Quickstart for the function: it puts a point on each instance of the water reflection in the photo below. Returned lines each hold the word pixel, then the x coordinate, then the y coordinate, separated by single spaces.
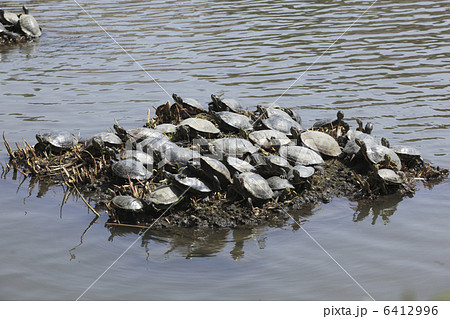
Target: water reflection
pixel 383 208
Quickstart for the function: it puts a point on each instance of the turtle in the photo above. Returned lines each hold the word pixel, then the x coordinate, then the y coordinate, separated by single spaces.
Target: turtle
pixel 213 172
pixel 164 197
pixel 295 114
pixel 191 184
pixel 273 165
pixel 277 183
pixel 131 169
pixel 8 18
pixel 216 167
pixel 389 176
pixel 140 156
pixel 332 124
pixel 127 203
pixel 29 25
pixel 104 143
pixel 268 139
pixel 233 146
pixel 321 142
pixel 193 127
pixel 252 186
pixel 108 138
pixel 141 133
pixel 300 173
pixel 187 107
pixel 56 140
pixel 149 145
pixel 166 128
pixel 7 36
pixel 281 124
pixel 232 122
pixel 367 129
pixel 351 148
pixel 300 155
pixel 237 165
pixel 272 110
pixel 409 155
pixel 217 105
pixel 175 156
pixel 376 154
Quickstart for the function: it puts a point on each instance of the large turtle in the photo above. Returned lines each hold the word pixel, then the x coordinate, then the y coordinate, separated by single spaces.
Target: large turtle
pixel 56 140
pixel 376 154
pixel 321 142
pixel 300 155
pixel 253 186
pixel 233 146
pixel 164 197
pixel 131 169
pixel 233 122
pixel 29 25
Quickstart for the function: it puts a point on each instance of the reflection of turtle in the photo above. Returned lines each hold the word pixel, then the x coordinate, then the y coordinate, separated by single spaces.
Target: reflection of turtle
pixel 29 25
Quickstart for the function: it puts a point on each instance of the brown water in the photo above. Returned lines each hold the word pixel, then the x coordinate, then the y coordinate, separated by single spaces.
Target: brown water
pixel 392 68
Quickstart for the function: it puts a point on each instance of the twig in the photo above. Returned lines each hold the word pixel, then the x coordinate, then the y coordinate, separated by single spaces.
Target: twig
pixel 8 147
pixel 85 201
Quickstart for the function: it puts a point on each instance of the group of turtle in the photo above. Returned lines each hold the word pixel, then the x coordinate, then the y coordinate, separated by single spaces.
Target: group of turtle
pixel 16 28
pixel 226 149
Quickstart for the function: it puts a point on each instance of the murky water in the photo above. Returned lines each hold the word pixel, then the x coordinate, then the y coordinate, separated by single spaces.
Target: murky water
pixel 392 67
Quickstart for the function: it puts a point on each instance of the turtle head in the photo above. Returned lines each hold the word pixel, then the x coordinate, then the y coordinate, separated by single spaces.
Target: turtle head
pixel 39 138
pixel 368 128
pixel 25 9
pixel 360 143
pixel 295 132
pixel 340 115
pixel 177 99
pixel 385 142
pixel 360 125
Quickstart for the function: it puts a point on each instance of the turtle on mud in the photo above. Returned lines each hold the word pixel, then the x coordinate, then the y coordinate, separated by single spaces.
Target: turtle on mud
pixel 187 107
pixel 335 126
pixel 174 157
pixel 300 155
pixel 269 139
pixel 230 105
pixel 194 127
pixel 140 156
pixel 127 203
pixel 271 110
pixel 29 25
pixel 237 165
pixel 377 154
pixel 233 146
pixel 232 122
pixel 351 148
pixel 217 168
pixel 280 187
pixel 300 173
pixel 191 184
pixel 166 128
pixel 131 169
pixel 104 143
pixel 409 155
pixel 318 141
pixel 272 165
pixel 253 187
pixel 164 197
pixel 138 134
pixel 281 124
pixel 55 141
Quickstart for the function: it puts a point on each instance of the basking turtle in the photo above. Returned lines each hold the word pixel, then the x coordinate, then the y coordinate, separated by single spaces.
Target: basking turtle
pixel 281 124
pixel 188 107
pixel 253 186
pixel 300 173
pixel 321 142
pixel 191 184
pixel 108 138
pixel 56 141
pixel 367 129
pixel 166 128
pixel 295 114
pixel 233 146
pixel 376 154
pixel 351 148
pixel 300 155
pixel 330 125
pixel 233 122
pixel 216 167
pixel 237 165
pixel 268 139
pixel 175 156
pixel 29 25
pixel 193 127
pixel 389 176
pixel 230 105
pixel 127 204
pixel 131 169
pixel 273 165
pixel 409 155
pixel 8 18
pixel 164 197
pixel 272 110
pixel 277 183
pixel 142 157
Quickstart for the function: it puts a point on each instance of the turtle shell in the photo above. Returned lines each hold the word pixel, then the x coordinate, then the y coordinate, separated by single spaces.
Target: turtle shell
pixel 255 185
pixel 300 173
pixel 200 125
pixel 164 195
pixel 165 128
pixel 232 146
pixel 281 124
pixel 389 176
pixel 145 158
pixel 300 155
pixel 29 26
pixel 265 138
pixel 233 122
pixel 377 153
pixel 192 183
pixel 216 167
pixel 321 142
pixel 238 165
pixel 127 203
pixel 60 139
pixel 108 138
pixel 277 183
pixel 142 133
pixel 130 168
pixel 406 150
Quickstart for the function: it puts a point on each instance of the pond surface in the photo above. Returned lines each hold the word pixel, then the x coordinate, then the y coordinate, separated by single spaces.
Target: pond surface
pixel 392 67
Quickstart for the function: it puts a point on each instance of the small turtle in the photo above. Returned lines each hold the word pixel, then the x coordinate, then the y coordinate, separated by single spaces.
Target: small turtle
pixel 233 146
pixel 389 176
pixel 218 105
pixel 166 128
pixel 127 203
pixel 189 107
pixel 274 165
pixel 409 155
pixel 142 157
pixel 237 165
pixel 300 173
pixel 277 183
pixel 193 127
pixel 57 140
pixel 300 155
pixel 351 148
pixel 175 156
pixel 295 114
pixel 216 167
pixel 332 124
pixel 164 197
pixel 281 124
pixel 233 122
pixel 191 184
pixel 268 139
pixel 376 154
pixel 29 25
pixel 253 186
pixel 272 110
pixel 321 142
pixel 8 18
pixel 108 138
pixel 131 169
pixel 367 129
